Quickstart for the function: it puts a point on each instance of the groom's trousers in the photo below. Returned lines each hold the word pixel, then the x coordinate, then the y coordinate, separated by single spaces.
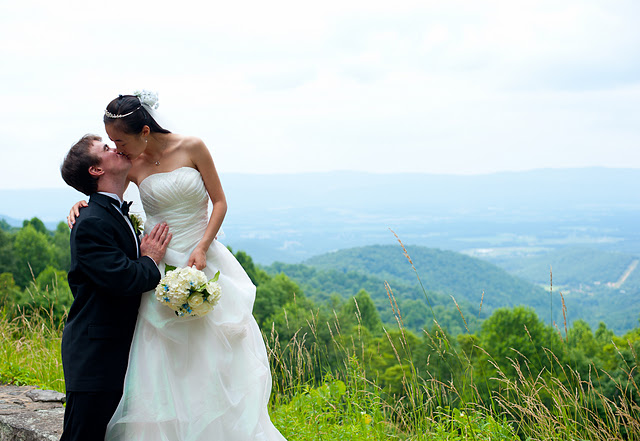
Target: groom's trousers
pixel 87 414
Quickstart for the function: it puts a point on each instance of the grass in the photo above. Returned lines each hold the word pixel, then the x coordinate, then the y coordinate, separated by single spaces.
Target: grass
pixel 30 350
pixel 313 401
pixel 530 406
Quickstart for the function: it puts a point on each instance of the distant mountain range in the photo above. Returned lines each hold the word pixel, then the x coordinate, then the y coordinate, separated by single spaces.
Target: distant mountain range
pixel 293 217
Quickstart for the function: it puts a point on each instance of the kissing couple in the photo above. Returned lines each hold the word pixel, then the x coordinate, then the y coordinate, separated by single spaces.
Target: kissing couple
pixel 133 369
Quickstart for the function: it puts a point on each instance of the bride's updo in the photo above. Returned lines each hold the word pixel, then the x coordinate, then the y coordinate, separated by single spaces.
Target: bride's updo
pixel 130 114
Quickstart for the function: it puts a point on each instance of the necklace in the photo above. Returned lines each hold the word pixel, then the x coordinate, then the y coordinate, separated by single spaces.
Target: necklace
pixel 164 147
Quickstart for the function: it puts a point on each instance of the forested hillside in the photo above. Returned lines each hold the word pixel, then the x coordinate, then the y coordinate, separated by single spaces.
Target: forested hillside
pixel 572 266
pixel 444 272
pixel 598 285
pixel 418 308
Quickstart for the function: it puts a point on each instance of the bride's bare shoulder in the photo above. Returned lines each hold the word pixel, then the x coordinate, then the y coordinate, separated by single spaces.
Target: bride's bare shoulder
pixel 189 142
pixel 193 145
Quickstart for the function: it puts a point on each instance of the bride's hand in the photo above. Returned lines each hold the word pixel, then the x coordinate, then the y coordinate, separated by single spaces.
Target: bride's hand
pixel 198 258
pixel 75 212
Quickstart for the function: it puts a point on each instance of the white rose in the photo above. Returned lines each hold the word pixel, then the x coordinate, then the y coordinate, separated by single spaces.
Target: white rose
pixel 195 300
pixel 203 309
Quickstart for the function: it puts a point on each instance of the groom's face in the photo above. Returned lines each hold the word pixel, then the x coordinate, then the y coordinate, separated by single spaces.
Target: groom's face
pixel 111 162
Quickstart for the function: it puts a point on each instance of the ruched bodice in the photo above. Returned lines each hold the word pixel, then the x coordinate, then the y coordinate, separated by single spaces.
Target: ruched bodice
pixel 197 378
pixel 180 199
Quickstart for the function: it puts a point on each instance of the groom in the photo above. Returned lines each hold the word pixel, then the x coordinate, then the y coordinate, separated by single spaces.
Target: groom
pixel 110 269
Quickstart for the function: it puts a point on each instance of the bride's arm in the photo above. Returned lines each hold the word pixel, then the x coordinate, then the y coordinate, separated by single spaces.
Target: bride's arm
pixel 75 210
pixel 203 162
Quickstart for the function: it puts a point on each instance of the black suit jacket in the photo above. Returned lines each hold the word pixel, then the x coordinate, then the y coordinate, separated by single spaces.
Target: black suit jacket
pixel 107 280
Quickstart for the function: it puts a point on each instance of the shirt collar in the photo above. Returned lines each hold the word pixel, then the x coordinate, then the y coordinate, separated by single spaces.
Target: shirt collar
pixel 112 196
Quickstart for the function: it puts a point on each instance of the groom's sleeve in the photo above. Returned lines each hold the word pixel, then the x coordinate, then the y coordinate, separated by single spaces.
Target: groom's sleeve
pixel 107 265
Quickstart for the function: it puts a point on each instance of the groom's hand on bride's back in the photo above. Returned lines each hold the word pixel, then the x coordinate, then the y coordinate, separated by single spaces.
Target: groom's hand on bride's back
pixel 155 243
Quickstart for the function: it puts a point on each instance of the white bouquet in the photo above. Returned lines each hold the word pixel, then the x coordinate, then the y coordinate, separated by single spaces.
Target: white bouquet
pixel 187 291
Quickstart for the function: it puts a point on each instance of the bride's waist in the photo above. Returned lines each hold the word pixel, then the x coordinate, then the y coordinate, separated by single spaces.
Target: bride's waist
pixel 184 237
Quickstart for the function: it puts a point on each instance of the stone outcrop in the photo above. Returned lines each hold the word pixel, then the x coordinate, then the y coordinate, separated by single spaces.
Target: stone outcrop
pixel 30 414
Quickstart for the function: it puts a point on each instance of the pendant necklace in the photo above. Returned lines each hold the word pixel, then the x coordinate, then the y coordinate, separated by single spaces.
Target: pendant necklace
pixel 163 149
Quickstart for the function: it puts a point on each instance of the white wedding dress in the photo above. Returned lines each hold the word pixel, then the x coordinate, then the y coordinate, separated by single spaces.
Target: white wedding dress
pixel 194 379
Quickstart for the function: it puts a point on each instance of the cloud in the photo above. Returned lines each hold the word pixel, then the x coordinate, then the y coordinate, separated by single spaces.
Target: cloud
pixel 284 86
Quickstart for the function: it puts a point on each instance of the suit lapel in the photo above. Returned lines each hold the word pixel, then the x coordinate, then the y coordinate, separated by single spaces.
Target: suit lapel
pixel 137 240
pixel 107 203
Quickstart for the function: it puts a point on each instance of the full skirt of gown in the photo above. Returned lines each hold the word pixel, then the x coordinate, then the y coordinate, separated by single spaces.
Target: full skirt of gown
pixel 195 378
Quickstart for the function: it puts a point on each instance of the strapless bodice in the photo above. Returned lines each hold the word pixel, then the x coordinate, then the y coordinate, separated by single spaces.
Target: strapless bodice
pixel 180 199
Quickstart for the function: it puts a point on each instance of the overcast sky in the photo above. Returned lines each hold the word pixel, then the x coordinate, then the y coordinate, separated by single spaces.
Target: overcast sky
pixel 294 86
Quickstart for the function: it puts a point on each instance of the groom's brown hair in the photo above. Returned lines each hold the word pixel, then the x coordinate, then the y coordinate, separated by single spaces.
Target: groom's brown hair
pixel 75 167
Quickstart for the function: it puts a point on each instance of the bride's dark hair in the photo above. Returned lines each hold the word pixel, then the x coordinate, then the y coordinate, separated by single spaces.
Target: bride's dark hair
pixel 130 116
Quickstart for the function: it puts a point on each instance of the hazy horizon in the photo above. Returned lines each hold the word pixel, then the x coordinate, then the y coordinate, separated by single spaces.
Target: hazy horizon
pixel 290 217
pixel 279 87
pixel 61 184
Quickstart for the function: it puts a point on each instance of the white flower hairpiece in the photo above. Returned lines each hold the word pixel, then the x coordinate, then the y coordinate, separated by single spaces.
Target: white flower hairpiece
pixel 148 98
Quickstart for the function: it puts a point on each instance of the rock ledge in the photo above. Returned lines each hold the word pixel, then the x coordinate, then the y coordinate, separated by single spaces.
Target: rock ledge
pixel 30 414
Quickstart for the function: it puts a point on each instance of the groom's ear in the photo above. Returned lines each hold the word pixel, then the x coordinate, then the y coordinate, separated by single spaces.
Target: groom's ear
pixel 95 170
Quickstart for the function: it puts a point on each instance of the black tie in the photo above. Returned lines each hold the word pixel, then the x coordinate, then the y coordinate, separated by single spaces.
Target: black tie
pixel 124 208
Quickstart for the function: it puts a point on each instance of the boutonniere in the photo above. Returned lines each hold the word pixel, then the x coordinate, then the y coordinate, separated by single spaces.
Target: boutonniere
pixel 137 222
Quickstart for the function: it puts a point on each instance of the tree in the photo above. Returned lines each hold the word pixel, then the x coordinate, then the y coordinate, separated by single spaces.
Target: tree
pixel 300 332
pixel 4 225
pixel 272 295
pixel 517 337
pixel 581 338
pixel 9 292
pixel 361 310
pixel 7 258
pixel 49 294
pixel 604 335
pixel 37 224
pixel 415 314
pixel 256 275
pixel 33 253
pixel 61 249
pixel 395 347
pixel 302 317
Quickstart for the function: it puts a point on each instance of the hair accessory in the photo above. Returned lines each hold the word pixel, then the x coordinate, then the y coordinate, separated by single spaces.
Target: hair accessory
pixel 147 98
pixel 111 115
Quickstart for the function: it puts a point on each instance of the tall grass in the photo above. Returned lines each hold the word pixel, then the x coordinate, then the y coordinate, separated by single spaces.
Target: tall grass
pixel 30 350
pixel 30 339
pixel 331 392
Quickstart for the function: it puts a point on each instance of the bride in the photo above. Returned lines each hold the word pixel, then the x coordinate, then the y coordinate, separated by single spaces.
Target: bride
pixel 188 379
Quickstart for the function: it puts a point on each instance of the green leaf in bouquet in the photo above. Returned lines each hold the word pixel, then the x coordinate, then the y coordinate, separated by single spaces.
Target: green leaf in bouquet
pixel 168 268
pixel 215 278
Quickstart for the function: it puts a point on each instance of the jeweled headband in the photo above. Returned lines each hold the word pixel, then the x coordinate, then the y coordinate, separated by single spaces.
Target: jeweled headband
pixel 111 115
